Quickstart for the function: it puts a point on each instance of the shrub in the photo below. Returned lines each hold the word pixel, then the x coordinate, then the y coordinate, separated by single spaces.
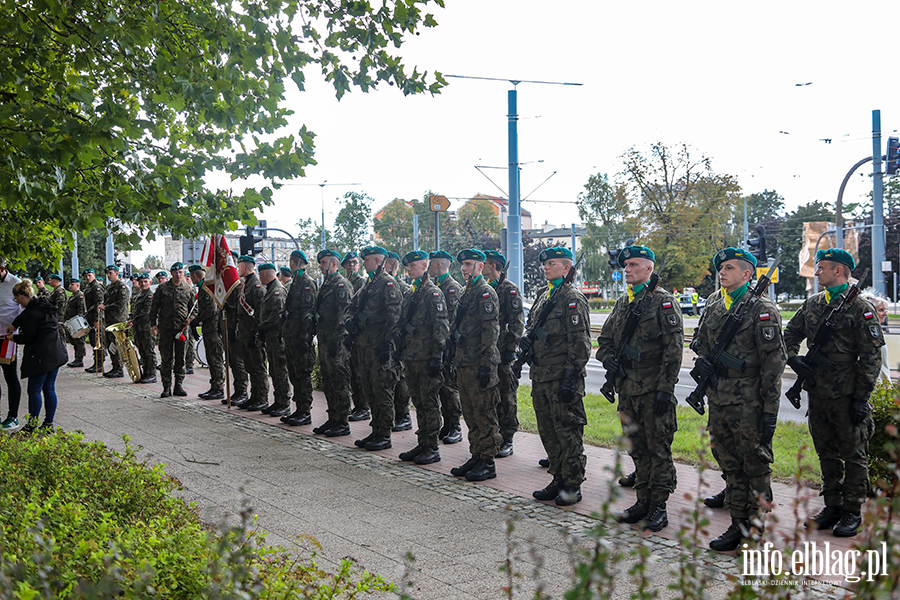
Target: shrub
pixel 884 401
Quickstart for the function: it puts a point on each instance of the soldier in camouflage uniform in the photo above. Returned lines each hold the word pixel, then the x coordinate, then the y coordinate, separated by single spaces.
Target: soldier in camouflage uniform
pixel 360 411
pixel 286 276
pixel 451 410
pixel 746 391
pixel 269 326
pixel 375 311
pixel 252 347
pixel 93 298
pixel 190 350
pixel 41 287
pixel 115 310
pixel 651 364
pixel 474 333
pixel 512 325
pixel 169 310
pixel 402 420
pixel 75 307
pixel 561 348
pixel 331 311
pixel 141 304
pixel 231 311
pixel 59 299
pixel 845 373
pixel 206 314
pixel 419 338
pixel 298 328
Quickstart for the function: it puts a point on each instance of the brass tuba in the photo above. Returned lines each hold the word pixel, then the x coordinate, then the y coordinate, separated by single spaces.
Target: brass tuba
pixel 124 349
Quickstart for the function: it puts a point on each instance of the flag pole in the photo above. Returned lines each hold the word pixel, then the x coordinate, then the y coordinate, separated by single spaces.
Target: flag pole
pixel 225 343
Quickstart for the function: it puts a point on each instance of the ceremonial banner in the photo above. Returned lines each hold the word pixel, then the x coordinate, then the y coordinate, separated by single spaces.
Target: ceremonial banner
pixel 221 270
pixel 7 352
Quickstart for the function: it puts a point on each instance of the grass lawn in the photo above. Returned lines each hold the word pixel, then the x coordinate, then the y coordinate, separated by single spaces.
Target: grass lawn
pixel 604 430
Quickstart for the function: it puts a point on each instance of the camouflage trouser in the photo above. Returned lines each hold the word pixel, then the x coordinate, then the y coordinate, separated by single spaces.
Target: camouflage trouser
pixel 561 427
pixel 507 410
pixel 401 395
pixel 734 435
pixel 335 372
pixel 651 445
pixel 843 451
pixel 278 369
pixel 212 343
pixel 99 355
pixel 78 343
pixel 108 341
pixel 451 410
pixel 479 409
pixel 425 393
pixel 144 342
pixel 378 383
pixel 236 361
pixel 171 351
pixel 300 368
pixel 360 402
pixel 255 363
pixel 190 353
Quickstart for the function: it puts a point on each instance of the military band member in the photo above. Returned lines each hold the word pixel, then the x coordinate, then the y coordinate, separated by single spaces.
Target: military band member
pixel 360 411
pixel 239 376
pixel 206 314
pixel 285 276
pixel 169 310
pixel 269 324
pixel 252 346
pixel 845 373
pixel 651 364
pixel 402 420
pixel 451 411
pixel 420 337
pixel 93 298
pixel 743 402
pixel 75 307
pixel 141 304
pixel 59 299
pixel 299 327
pixel 115 310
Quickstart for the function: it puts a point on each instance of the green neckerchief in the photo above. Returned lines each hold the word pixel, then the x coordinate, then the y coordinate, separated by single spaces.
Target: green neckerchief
pixel 634 290
pixel 475 280
pixel 371 274
pixel 441 278
pixel 416 283
pixel 732 297
pixel 835 291
pixel 300 272
pixel 327 277
pixel 552 285
pixel 494 283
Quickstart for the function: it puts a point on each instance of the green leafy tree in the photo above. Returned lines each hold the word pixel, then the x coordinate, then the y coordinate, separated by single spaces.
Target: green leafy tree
pixel 120 110
pixel 476 219
pixel 310 238
pixel 153 262
pixel 761 207
pixel 790 241
pixel 601 207
pixel 351 226
pixel 394 227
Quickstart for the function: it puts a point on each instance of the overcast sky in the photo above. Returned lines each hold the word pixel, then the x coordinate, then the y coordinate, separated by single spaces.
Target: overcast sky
pixel 719 76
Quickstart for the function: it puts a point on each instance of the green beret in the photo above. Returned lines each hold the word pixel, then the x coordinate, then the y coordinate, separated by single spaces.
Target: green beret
pixel 38 278
pixel 299 254
pixel 286 272
pixel 440 254
pixel 557 252
pixel 494 255
pixel 370 250
pixel 634 252
pixel 54 276
pixel 193 268
pixel 247 259
pixel 414 256
pixel 392 255
pixel 267 267
pixel 74 280
pixel 348 256
pixel 471 254
pixel 144 276
pixel 86 271
pixel 162 274
pixel 733 254
pixel 326 252
pixel 111 268
pixel 177 267
pixel 837 255
pixel 234 254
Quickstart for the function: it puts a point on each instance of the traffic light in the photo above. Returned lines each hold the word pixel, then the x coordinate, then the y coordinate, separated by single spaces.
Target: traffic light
pixel 614 259
pixel 892 162
pixel 249 241
pixel 758 246
pixel 263 230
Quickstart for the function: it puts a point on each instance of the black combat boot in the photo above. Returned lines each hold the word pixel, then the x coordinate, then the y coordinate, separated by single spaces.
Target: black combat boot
pixel 544 462
pixel 568 495
pixel 428 456
pixel 297 419
pixel 178 390
pixel 338 430
pixel 167 390
pixel 360 414
pixel 635 512
pixel 378 442
pixel 550 492
pixel 464 468
pixel 483 470
pixel 506 449
pixel 849 524
pixel 827 518
pixel 628 480
pixel 716 501
pixel 321 428
pixel 404 423
pixel 731 539
pixel 411 454
pixel 362 443
pixel 455 435
pixel 148 379
pixel 657 517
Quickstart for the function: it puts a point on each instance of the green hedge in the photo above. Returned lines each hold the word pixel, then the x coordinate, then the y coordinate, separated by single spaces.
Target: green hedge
pixel 882 447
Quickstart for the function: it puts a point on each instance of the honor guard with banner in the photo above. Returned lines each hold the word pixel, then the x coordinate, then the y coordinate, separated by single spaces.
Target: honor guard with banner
pixel 641 347
pixel 253 351
pixel 299 328
pixel 231 316
pixel 169 310
pixel 839 373
pixel 207 315
pixel 93 298
pixel 115 310
pixel 141 304
pixel 75 308
pixel 451 411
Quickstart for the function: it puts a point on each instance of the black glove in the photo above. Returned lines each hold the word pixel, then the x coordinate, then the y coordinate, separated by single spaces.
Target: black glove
pixel 800 367
pixel 302 345
pixel 508 357
pixel 612 365
pixel 384 352
pixel 525 344
pixel 858 411
pixel 259 339
pixel 567 386
pixel 663 403
pixel 517 370
pixel 433 368
pixel 703 368
pixel 484 376
pixel 767 425
pixel 332 349
pixel 347 341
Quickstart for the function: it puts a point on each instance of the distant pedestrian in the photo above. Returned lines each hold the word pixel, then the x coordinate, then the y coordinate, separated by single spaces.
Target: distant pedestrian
pixel 9 310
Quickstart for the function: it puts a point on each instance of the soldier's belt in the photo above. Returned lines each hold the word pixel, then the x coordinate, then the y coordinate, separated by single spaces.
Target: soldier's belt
pixel 642 364
pixel 844 358
pixel 550 361
pixel 726 373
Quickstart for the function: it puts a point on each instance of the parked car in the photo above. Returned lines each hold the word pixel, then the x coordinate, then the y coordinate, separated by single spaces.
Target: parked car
pixel 687 307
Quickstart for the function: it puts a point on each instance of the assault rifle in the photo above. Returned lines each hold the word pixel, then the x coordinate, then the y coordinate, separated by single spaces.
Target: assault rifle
pixel 609 387
pixel 823 334
pixel 407 329
pixel 355 323
pixel 718 356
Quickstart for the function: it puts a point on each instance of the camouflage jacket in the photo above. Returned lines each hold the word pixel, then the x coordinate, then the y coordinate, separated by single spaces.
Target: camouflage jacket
pixel 141 304
pixel 170 305
pixel 383 299
pixel 424 332
pixel 857 335
pixel 565 338
pixel 654 352
pixel 59 298
pixel 476 327
pixel 357 281
pixel 93 297
pixel 512 316
pixel 252 295
pixel 758 343
pixel 232 306
pixel 115 301
pixel 75 305
pixel 299 306
pixel 404 287
pixel 270 308
pixel 332 307
pixel 452 293
pixel 206 311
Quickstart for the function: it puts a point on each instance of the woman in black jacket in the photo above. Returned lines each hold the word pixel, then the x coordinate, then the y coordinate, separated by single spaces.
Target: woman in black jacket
pixel 43 352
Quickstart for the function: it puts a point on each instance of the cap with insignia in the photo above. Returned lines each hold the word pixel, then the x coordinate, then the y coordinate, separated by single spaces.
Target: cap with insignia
pixel 391 254
pixel 193 268
pixel 494 255
pixel 326 253
pixel 348 256
pixel 38 278
pixel 471 254
pixel 247 259
pixel 267 267
pixel 733 254
pixel 440 254
pixel 235 255
pixel 74 280
pixel 162 274
pixel 299 254
pixel 635 252
pixel 144 276
pixel 286 272
pixel 370 250
pixel 557 252
pixel 54 276
pixel 177 267
pixel 111 268
pixel 837 255
pixel 414 256
pixel 86 271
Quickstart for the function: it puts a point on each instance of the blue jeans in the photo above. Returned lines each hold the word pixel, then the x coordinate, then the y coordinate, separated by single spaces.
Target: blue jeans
pixel 46 383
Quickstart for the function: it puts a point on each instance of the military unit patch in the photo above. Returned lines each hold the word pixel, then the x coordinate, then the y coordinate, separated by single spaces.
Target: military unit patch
pixel 440 306
pixel 673 319
pixel 873 329
pixel 574 319
pixel 451 291
pixel 486 295
pixel 436 294
pixel 573 304
pixel 768 333
pixel 667 304
pixel 764 317
pixel 512 292
pixel 488 307
pixel 868 315
pixel 389 283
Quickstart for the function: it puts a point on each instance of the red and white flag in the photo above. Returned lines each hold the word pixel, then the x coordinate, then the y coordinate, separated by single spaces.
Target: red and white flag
pixel 7 352
pixel 221 270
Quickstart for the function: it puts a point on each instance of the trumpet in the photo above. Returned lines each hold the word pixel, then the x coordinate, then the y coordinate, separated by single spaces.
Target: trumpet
pixel 124 349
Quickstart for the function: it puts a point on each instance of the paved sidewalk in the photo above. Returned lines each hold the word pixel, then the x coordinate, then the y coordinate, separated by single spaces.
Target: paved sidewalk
pixel 374 508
